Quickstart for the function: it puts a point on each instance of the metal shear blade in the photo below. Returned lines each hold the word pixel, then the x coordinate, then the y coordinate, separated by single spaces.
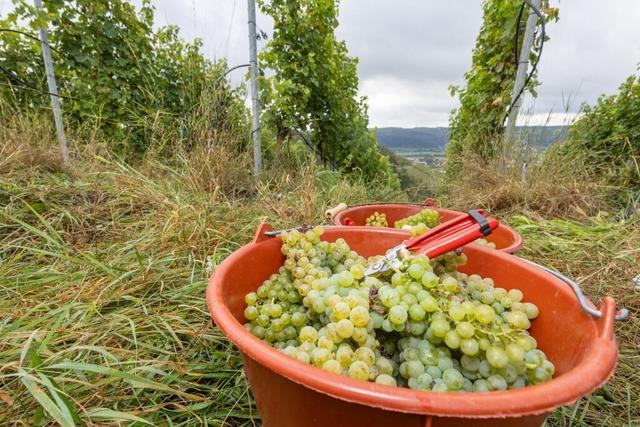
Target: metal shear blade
pixel 389 261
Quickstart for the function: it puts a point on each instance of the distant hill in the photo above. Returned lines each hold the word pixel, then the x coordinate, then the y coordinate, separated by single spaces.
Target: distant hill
pixel 436 138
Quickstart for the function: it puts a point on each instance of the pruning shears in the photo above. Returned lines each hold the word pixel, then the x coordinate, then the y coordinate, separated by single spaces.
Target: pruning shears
pixel 441 239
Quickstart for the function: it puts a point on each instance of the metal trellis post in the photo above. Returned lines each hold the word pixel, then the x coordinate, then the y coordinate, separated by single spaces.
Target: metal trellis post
pixel 53 90
pixel 521 73
pixel 255 100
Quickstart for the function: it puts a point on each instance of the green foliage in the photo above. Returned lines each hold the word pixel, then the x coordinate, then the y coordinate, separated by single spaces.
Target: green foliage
pixel 121 73
pixel 477 125
pixel 418 181
pixel 607 137
pixel 315 88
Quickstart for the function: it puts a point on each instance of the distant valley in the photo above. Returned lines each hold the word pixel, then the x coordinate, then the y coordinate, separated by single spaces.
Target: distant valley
pixel 435 139
pixel 427 146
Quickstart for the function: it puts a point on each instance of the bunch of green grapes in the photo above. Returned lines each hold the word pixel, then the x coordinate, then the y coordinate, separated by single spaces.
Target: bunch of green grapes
pixel 424 325
pixel 419 223
pixel 485 242
pixel 377 220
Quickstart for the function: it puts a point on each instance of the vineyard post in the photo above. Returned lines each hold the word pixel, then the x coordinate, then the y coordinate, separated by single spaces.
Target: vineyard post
pixel 255 101
pixel 53 89
pixel 521 73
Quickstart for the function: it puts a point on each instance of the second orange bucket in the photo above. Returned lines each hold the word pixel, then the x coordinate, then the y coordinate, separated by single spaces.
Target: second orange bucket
pixel 504 237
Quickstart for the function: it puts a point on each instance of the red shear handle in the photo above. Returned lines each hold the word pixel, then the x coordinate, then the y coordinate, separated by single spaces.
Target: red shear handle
pixel 456 233
pixel 446 228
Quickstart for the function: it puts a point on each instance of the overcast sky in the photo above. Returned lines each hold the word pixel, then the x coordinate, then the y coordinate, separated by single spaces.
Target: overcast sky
pixel 410 51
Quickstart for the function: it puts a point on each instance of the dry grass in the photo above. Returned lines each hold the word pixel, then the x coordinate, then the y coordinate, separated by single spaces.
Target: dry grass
pixel 602 255
pixel 549 186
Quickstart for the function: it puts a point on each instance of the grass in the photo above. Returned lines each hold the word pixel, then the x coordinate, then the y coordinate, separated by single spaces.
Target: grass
pixel 602 255
pixel 103 270
pixel 102 278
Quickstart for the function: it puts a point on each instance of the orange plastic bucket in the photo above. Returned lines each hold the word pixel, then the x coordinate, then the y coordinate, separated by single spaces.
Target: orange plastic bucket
pixel 290 393
pixel 505 238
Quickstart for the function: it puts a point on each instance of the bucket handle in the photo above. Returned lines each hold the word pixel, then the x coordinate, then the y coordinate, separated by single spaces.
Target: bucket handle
pixel 332 212
pixel 623 313
pixel 430 202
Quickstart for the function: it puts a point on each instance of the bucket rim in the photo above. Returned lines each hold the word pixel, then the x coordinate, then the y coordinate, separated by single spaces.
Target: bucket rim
pixel 595 368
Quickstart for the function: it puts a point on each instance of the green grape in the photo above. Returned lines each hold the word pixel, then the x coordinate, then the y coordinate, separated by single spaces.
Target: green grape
pixel 434 372
pixel 484 369
pixel 485 314
pixel 439 385
pixel 359 316
pixel 469 363
pixel 527 342
pixel 497 357
pixel 416 328
pixel 516 295
pixel 518 383
pixel 303 356
pixel 469 346
pixel 549 367
pixel 386 379
pixel 332 366
pixel 416 312
pixel 429 304
pixel 344 328
pixel 398 314
pixel 450 284
pixel 258 331
pixel 452 339
pixel 453 379
pixel 515 353
pixel 365 355
pixel 320 356
pixel 531 310
pixel 440 327
pixel 509 373
pixel 519 320
pixel 445 363
pixel 496 382
pixel 359 370
pixel 344 355
pixel 415 271
pixel 384 366
pixel 251 298
pixel 251 313
pixel 308 334
pixel 484 344
pixel 538 375
pixel 480 385
pixel 414 368
pixel 456 312
pixel 360 335
pixel 357 271
pixel 429 279
pixel 465 329
pixel 298 319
